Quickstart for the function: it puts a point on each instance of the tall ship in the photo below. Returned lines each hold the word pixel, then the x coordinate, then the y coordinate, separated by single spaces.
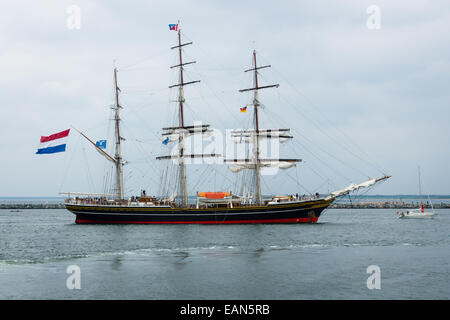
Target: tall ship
pixel 216 207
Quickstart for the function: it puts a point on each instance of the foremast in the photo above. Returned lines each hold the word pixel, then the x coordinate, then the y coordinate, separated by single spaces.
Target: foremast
pixel 254 136
pixel 256 105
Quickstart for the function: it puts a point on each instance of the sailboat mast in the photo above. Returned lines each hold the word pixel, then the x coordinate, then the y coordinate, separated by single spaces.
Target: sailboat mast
pixel 420 186
pixel 257 164
pixel 118 155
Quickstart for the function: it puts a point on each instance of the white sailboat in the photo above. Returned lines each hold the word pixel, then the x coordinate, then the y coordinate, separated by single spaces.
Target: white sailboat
pixel 419 212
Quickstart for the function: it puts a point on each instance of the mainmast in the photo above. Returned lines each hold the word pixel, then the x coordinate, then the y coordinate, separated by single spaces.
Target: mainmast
pixel 181 100
pixel 181 132
pixel 118 155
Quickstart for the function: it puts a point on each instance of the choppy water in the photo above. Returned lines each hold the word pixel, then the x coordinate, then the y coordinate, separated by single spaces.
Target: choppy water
pixel 327 260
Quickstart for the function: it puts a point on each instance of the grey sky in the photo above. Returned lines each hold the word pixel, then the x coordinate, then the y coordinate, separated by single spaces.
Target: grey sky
pixel 383 94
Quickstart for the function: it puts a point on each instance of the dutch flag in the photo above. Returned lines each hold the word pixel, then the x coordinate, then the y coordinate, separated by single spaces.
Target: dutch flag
pixel 53 143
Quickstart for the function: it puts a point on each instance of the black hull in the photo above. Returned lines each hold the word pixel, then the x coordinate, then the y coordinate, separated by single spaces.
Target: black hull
pixel 301 212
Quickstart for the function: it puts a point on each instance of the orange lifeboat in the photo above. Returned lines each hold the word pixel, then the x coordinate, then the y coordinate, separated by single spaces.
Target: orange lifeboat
pixel 214 195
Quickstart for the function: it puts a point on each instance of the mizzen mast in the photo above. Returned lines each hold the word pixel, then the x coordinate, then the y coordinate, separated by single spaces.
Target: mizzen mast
pixel 118 138
pixel 117 159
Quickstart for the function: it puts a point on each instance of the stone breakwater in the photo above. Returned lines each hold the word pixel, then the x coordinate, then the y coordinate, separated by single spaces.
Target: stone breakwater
pixel 16 206
pixel 356 205
pixel 387 205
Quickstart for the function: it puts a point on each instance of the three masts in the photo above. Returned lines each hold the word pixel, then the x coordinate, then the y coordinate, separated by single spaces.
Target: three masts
pixel 216 204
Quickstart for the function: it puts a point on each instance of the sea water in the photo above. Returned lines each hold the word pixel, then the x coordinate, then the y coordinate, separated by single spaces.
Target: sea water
pixel 332 259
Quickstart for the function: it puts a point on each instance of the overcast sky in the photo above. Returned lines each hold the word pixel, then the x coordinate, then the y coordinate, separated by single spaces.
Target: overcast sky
pixel 360 101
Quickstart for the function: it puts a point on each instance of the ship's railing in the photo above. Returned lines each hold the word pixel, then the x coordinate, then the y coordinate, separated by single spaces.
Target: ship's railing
pixel 92 201
pixel 104 201
pixel 292 198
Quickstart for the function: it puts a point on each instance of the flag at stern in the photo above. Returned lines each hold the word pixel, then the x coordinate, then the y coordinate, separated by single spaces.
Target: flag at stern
pixel 53 143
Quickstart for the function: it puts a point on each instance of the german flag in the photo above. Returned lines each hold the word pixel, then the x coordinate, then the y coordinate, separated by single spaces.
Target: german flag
pixel 244 109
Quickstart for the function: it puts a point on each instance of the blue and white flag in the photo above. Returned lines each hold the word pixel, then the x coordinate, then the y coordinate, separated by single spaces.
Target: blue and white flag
pixel 165 141
pixel 101 144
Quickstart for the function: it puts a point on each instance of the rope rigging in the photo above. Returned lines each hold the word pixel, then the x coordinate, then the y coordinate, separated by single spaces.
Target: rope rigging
pixel 323 115
pixel 169 175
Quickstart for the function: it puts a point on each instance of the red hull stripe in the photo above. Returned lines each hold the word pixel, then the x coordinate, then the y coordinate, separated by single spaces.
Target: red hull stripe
pixel 58 135
pixel 293 220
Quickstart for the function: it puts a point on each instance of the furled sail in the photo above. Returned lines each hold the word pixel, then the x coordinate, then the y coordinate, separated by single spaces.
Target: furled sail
pixel 272 163
pixel 103 153
pixel 354 187
pixel 175 133
pixel 173 137
pixel 247 136
pixel 107 156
